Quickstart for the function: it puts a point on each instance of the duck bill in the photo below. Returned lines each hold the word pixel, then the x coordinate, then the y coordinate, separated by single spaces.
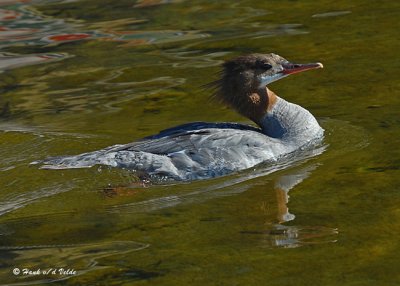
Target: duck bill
pixel 290 68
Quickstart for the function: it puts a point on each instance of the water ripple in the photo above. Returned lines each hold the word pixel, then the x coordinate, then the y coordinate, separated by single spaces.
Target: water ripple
pixel 80 257
pixel 331 14
pixel 11 61
pixel 14 202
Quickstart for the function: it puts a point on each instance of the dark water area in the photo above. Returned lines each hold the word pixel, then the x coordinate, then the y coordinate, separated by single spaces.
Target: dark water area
pixel 76 76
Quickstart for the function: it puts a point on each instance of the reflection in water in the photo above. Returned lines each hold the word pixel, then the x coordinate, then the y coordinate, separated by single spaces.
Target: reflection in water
pixel 277 235
pixel 11 61
pixel 123 54
pixel 136 38
pixel 283 185
pixel 280 235
pixel 342 135
pixel 79 257
pixel 294 236
pixel 230 185
pixel 7 15
pixel 26 26
pixel 95 86
pixel 23 26
pixel 84 257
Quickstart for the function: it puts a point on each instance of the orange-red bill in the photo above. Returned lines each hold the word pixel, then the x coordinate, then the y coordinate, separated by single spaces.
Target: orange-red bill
pixel 289 68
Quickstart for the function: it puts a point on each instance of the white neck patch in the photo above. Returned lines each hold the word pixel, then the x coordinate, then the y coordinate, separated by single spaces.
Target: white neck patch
pixel 265 80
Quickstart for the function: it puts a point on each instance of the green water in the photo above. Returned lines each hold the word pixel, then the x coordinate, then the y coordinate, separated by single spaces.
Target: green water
pixel 134 68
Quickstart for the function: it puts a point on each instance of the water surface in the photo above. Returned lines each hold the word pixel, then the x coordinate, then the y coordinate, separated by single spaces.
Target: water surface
pixel 76 76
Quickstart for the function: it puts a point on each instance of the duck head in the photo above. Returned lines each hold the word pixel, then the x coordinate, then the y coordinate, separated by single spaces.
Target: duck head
pixel 244 80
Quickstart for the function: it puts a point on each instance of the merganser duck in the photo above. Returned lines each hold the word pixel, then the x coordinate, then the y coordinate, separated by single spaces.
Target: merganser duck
pixel 203 150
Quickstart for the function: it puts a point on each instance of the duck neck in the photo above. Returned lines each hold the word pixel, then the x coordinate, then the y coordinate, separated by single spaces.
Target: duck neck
pixel 285 120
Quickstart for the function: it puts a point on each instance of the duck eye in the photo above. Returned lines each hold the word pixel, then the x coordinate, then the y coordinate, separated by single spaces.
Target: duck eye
pixel 265 66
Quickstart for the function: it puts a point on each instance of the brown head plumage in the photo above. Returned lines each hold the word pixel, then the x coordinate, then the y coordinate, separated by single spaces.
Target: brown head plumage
pixel 243 82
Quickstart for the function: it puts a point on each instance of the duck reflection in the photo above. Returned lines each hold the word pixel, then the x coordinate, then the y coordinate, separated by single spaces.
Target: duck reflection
pixel 290 236
pixel 283 185
pixel 271 231
pixel 294 236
